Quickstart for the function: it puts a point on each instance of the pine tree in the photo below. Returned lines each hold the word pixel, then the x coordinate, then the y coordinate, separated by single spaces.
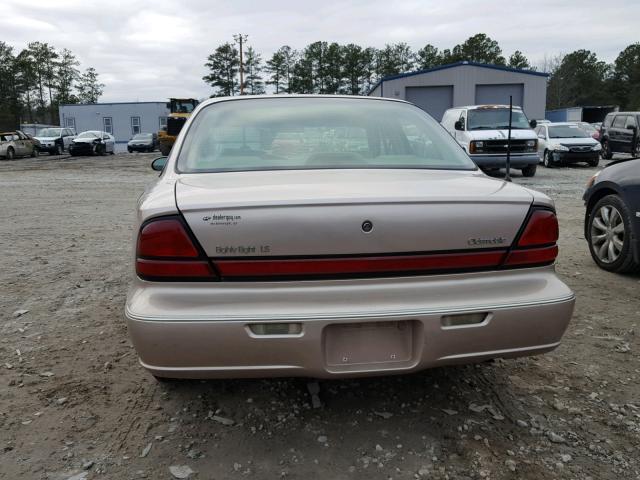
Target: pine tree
pixel 223 64
pixel 518 60
pixel 66 74
pixel 428 57
pixel 252 67
pixel 88 86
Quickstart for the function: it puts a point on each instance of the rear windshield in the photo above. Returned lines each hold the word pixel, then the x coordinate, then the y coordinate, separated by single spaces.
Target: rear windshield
pixel 142 136
pixel 310 133
pixel 567 131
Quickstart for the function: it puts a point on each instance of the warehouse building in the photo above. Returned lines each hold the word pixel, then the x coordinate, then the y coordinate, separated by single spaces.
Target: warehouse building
pixel 580 114
pixel 123 120
pixel 467 83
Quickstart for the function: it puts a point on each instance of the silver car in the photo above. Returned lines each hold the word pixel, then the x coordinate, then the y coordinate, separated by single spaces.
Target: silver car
pixel 329 236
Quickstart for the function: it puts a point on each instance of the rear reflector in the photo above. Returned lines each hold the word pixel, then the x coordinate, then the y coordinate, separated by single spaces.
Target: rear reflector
pixel 165 251
pixel 541 229
pixel 359 265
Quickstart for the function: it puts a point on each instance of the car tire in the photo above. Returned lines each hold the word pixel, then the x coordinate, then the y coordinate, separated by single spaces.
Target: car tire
pixel 547 161
pixel 11 154
pixel 34 152
pixel 100 150
pixel 529 170
pixel 601 234
pixel 606 150
pixel 129 150
pixel 57 150
pixel 594 162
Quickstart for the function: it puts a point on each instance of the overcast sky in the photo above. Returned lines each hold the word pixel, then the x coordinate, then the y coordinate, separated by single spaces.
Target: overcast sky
pixel 152 50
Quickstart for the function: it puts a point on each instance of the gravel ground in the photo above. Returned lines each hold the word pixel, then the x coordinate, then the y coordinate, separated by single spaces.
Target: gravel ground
pixel 74 402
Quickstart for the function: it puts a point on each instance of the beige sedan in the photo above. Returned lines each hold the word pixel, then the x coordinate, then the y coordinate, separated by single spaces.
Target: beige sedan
pixel 333 237
pixel 16 144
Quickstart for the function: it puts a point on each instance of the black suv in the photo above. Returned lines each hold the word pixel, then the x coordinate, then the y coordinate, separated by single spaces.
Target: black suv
pixel 619 134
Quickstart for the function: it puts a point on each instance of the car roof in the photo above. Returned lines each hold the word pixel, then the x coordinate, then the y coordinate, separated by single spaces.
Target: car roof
pixel 556 124
pixel 297 95
pixel 623 113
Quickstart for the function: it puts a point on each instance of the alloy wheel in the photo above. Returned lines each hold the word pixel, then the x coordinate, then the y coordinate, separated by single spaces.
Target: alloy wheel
pixel 607 233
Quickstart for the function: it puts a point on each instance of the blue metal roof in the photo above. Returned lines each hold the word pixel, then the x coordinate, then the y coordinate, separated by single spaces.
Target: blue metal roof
pixel 458 64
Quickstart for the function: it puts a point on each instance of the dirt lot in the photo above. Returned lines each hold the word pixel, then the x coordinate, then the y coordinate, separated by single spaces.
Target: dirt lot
pixel 74 401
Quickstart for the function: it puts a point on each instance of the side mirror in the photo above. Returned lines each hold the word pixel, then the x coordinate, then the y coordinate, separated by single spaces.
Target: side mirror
pixel 533 124
pixel 459 125
pixel 541 136
pixel 159 163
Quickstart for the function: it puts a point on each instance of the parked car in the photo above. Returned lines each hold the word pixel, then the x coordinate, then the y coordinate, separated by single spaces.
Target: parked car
pixel 143 142
pixel 34 140
pixel 16 144
pixel 481 130
pixel 619 134
pixel 562 143
pixel 612 217
pixel 55 140
pixel 93 142
pixel 365 243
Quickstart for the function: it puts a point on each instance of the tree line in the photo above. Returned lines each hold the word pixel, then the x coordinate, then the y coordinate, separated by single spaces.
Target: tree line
pixel 576 79
pixel 39 78
pixel 328 67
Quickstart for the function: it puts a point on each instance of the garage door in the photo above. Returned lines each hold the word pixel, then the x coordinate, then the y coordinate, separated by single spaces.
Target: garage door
pixel 433 100
pixel 500 94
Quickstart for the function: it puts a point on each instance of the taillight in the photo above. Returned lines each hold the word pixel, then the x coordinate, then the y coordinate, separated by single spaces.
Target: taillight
pixel 537 242
pixel 541 229
pixel 165 251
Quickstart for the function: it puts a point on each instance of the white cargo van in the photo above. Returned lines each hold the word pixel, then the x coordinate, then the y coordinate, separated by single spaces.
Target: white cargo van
pixel 482 131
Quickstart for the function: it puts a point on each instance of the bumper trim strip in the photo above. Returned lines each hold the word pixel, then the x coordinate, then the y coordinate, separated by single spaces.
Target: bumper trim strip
pixel 494 353
pixel 352 315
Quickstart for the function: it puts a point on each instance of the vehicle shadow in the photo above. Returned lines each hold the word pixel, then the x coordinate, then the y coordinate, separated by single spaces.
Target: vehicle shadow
pixel 439 392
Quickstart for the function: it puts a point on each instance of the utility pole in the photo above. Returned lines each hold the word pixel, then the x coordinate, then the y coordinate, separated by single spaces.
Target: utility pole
pixel 508 175
pixel 240 38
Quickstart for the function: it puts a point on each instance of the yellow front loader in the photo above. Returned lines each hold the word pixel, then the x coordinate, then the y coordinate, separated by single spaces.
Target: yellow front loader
pixel 181 109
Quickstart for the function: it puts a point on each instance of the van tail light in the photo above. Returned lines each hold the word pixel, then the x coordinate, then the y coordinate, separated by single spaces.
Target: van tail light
pixel 537 243
pixel 166 251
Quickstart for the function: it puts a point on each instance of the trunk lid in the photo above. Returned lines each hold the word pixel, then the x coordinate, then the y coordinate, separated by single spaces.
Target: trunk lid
pixel 323 212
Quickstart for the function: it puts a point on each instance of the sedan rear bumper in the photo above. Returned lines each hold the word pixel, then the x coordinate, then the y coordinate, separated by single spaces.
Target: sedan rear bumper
pixel 370 327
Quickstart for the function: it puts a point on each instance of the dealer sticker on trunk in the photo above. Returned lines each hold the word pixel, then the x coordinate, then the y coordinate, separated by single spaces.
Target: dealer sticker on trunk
pixel 219 219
